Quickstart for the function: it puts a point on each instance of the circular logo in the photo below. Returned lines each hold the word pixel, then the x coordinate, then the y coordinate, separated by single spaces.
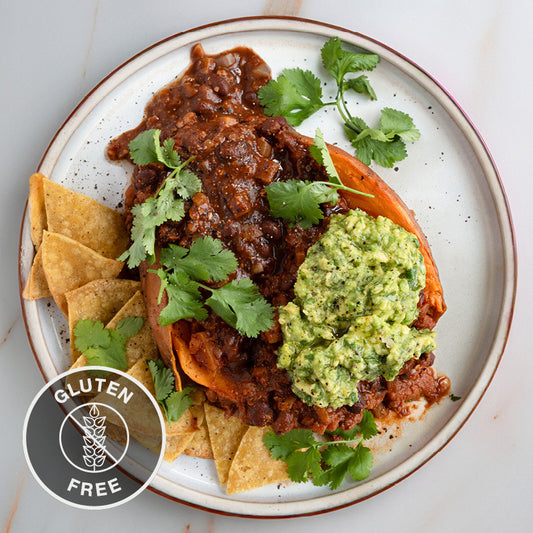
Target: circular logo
pixel 94 437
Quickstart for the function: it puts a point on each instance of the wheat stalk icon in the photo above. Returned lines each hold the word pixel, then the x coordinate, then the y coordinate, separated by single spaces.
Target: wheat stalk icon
pixel 94 450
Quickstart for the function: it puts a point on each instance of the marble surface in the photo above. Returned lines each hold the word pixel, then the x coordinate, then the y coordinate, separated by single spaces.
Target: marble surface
pixel 54 52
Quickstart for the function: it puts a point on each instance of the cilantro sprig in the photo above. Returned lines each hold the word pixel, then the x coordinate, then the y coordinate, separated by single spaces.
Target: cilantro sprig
pixel 298 201
pixel 105 347
pixel 296 94
pixel 325 463
pixel 239 302
pixel 173 402
pixel 167 204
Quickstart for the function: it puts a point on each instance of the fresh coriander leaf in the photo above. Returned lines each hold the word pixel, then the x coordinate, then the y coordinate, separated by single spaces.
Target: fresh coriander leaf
pixel 113 355
pixel 206 259
pixel 130 326
pixel 394 122
pixel 367 427
pixel 304 463
pixel 105 347
pixel 217 260
pixel 167 204
pixel 326 463
pixel 375 135
pixel 162 377
pixel 143 149
pixel 361 85
pixel 454 398
pixel 90 333
pixel 295 95
pixel 299 201
pixel 339 62
pixel 173 402
pixel 320 152
pixel 355 126
pixel 361 463
pixel 383 153
pixel 168 156
pixel 241 305
pixel 177 403
pixel 338 458
pixel 281 446
pixel 146 217
pixel 188 184
pixel 184 298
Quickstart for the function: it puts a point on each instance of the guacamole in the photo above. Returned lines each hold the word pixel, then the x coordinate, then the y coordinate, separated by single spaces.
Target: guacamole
pixel 355 296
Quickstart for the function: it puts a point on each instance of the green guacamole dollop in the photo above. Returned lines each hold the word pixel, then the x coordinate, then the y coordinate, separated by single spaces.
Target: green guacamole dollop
pixel 355 296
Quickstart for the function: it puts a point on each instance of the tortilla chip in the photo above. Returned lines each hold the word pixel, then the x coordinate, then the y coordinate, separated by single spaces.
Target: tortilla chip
pixel 142 345
pixel 99 300
pixel 252 467
pixel 80 362
pixel 117 433
pixel 225 435
pixel 176 444
pixel 69 265
pixel 200 446
pixel 138 412
pixel 36 286
pixel 37 209
pixel 84 220
pixel 191 419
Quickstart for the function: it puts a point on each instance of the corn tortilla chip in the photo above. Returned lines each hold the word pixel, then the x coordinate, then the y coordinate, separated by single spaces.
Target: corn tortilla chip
pixel 68 265
pixel 85 220
pixel 36 286
pixel 252 467
pixel 200 446
pixel 99 300
pixel 176 444
pixel 225 435
pixel 37 209
pixel 142 345
pixel 138 412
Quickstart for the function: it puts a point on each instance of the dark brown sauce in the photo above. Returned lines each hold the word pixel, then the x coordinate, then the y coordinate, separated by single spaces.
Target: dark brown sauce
pixel 212 112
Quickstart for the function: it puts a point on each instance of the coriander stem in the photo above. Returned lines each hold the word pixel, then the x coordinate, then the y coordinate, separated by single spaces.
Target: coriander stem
pixel 329 442
pixel 343 187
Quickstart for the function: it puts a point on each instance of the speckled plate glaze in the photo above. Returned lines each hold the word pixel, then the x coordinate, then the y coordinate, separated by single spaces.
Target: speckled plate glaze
pixel 448 179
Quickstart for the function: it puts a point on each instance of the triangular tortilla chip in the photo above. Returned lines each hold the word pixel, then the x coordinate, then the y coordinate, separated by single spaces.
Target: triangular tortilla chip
pixel 37 209
pixel 99 300
pixel 200 446
pixel 252 466
pixel 141 345
pixel 138 412
pixel 36 286
pixel 69 265
pixel 175 444
pixel 225 435
pixel 85 220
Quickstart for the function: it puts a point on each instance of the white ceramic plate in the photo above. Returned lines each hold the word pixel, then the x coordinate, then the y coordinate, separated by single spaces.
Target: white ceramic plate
pixel 448 179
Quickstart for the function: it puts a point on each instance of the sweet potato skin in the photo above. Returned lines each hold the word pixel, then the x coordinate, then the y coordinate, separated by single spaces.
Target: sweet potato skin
pixel 150 284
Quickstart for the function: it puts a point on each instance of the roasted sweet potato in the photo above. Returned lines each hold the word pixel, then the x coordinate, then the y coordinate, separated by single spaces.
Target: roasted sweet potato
pixel 174 340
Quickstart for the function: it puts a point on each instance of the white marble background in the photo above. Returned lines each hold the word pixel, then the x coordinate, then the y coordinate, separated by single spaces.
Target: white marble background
pixel 53 52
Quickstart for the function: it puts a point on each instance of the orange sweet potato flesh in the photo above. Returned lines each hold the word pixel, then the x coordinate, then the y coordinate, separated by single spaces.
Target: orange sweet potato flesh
pixel 174 340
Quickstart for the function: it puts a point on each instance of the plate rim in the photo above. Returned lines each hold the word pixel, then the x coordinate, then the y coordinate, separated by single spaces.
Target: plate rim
pixel 492 181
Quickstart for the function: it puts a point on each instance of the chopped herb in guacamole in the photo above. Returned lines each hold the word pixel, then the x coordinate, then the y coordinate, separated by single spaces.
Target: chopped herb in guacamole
pixel 355 296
